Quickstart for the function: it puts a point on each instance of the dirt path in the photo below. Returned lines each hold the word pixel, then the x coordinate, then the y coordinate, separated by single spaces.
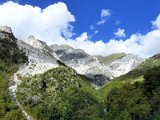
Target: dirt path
pixel 12 90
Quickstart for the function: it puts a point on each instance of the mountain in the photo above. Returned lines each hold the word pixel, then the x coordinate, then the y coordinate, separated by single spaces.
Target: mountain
pixel 38 81
pixel 125 64
pixel 135 75
pixel 99 68
pixel 110 58
pixel 41 58
pixel 83 63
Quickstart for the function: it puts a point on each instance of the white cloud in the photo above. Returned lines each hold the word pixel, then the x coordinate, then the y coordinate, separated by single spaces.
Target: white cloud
pixel 105 13
pixel 47 24
pixel 143 45
pixel 95 32
pixel 120 33
pixel 156 23
pixel 50 23
pixel 92 27
pixel 82 37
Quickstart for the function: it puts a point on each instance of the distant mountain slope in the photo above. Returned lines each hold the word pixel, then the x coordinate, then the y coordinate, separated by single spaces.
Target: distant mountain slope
pixel 98 68
pixel 110 58
pixel 83 63
pixel 125 64
pixel 134 75
pixel 43 57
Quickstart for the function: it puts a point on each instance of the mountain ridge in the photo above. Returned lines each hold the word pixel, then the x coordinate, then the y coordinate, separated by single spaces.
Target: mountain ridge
pixel 43 57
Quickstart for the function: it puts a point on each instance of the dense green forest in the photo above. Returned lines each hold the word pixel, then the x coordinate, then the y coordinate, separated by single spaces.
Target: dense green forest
pixel 59 93
pixel 138 101
pixel 62 94
pixel 10 57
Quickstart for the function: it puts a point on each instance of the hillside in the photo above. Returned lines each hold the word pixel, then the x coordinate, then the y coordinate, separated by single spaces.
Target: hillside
pixel 60 91
pixel 134 75
pixel 41 82
pixel 73 97
pixel 110 58
pixel 10 58
pixel 96 68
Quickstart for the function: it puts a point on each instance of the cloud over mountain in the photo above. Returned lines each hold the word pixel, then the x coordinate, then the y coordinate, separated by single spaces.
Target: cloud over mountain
pixel 53 25
pixel 48 24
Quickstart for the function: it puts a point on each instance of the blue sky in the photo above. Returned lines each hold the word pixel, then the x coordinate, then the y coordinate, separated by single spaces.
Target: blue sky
pixel 134 15
pixel 122 23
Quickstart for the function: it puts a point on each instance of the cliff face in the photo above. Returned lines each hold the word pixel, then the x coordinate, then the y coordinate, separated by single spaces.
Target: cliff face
pixel 97 68
pixel 6 33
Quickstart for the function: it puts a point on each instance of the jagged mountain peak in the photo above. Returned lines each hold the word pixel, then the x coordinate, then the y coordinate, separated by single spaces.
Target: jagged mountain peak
pixel 36 42
pixel 125 64
pixel 43 57
pixel 6 29
pixel 6 34
pixel 66 48
pixel 71 55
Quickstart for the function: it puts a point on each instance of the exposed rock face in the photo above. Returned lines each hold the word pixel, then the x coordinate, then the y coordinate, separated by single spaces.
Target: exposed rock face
pixel 83 63
pixel 72 56
pixel 40 56
pixel 43 57
pixel 6 34
pixel 125 64
pixel 6 29
pixel 93 68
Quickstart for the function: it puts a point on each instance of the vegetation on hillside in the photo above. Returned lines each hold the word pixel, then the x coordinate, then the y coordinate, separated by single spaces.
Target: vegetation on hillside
pixel 59 93
pixel 62 94
pixel 10 58
pixel 131 77
pixel 110 58
pixel 138 101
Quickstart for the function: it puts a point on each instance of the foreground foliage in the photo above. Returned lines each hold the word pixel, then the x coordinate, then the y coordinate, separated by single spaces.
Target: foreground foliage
pixel 10 57
pixel 136 101
pixel 59 93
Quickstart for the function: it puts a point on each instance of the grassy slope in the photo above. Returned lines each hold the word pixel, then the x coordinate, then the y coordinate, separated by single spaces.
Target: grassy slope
pixel 110 58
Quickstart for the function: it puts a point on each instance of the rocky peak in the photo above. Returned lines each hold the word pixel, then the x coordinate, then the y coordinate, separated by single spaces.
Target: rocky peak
pixel 125 64
pixel 64 47
pixel 36 43
pixel 6 34
pixel 6 29
pixel 72 56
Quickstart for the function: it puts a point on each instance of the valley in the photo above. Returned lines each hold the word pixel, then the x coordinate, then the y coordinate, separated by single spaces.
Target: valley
pixel 58 82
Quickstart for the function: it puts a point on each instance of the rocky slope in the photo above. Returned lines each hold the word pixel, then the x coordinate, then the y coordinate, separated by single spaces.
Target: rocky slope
pixel 39 54
pixel 99 68
pixel 43 57
pixel 125 64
